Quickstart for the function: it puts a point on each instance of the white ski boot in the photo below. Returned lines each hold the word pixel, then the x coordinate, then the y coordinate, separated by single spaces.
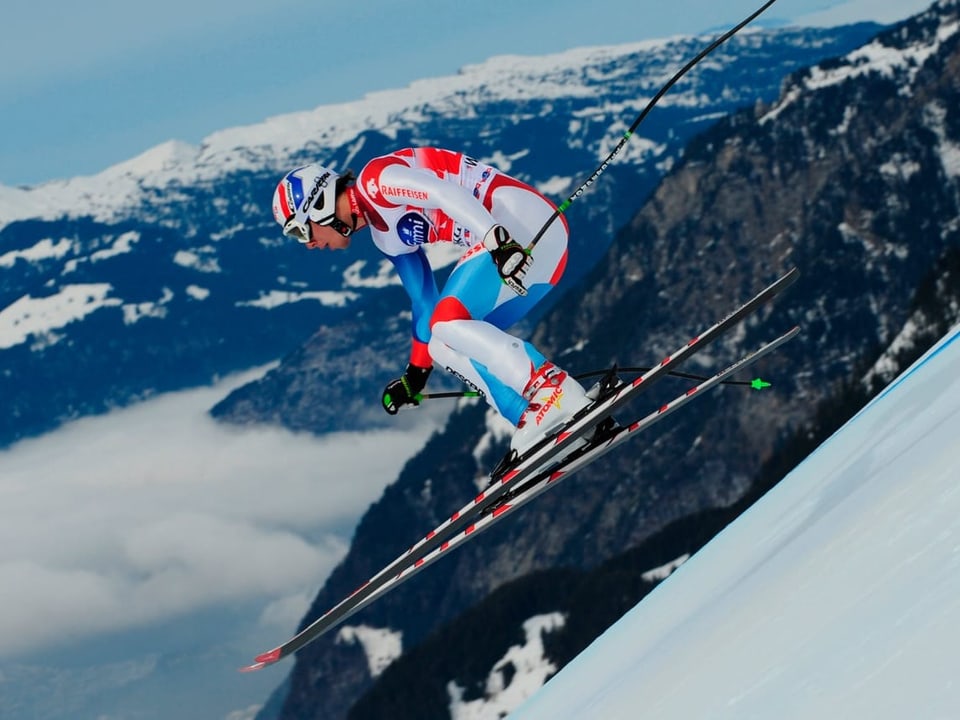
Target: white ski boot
pixel 553 398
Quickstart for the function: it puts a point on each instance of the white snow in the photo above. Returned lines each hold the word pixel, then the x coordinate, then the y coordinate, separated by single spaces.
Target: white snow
pixel 664 571
pixel 41 316
pixel 38 318
pixel 885 366
pixel 134 312
pixel 121 245
pixel 197 292
pixel 43 250
pixel 505 162
pixel 202 259
pixel 900 166
pixel 873 58
pixel 514 678
pixel 834 596
pixel 248 713
pixel 381 645
pixel 556 186
pixel 524 668
pixel 275 298
pixel 949 151
pixel 384 275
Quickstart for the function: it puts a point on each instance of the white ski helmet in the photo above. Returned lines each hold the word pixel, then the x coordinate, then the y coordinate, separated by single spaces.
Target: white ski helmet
pixel 308 192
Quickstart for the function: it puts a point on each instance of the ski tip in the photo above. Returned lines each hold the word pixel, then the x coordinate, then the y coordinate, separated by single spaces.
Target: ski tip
pixel 790 276
pixel 269 657
pixel 261 661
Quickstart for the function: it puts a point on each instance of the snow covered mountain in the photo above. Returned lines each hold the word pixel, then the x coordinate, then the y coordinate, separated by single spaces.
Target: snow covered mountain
pixel 166 271
pixel 851 176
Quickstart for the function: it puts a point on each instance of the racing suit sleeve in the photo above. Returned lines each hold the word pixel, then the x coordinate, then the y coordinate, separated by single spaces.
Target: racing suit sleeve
pixel 417 278
pixel 433 192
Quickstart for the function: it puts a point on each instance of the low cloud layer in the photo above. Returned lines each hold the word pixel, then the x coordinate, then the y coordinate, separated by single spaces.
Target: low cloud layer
pixel 156 511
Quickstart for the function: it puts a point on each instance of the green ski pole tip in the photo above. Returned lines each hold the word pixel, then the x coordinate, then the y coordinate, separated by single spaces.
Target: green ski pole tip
pixel 758 384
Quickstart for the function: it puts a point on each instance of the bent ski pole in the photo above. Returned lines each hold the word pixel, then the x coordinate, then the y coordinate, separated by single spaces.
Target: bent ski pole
pixel 640 118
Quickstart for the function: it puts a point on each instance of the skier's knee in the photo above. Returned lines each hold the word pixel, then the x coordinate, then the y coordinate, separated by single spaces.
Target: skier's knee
pixel 449 308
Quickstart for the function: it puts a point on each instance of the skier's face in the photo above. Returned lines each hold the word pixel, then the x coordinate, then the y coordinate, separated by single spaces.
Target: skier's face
pixel 324 236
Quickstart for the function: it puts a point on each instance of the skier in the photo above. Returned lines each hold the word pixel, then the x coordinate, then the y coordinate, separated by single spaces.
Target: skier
pixel 416 196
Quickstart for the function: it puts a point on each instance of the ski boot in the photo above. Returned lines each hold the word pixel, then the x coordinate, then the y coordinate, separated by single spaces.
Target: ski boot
pixel 553 397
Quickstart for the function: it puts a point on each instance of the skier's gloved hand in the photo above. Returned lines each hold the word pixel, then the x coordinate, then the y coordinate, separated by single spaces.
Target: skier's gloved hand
pixel 404 390
pixel 512 261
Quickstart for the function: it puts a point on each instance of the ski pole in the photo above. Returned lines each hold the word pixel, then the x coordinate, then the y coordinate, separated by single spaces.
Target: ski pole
pixel 755 384
pixel 640 118
pixel 454 394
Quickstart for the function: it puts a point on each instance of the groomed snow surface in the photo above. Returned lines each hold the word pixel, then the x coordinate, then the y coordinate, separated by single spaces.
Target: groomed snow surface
pixel 836 596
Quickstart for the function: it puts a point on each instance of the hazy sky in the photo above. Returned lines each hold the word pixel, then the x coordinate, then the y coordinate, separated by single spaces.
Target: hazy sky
pixel 86 85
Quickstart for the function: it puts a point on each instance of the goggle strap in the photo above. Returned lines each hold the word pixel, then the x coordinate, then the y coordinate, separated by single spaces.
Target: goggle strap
pixel 341 227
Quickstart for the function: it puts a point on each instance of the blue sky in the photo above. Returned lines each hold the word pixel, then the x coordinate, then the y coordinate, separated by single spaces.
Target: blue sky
pixel 86 85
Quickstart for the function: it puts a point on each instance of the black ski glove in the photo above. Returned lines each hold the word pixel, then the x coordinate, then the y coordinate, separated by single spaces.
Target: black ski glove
pixel 404 390
pixel 511 259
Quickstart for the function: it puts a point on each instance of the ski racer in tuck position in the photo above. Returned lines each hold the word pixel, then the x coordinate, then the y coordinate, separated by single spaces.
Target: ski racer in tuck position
pixel 417 196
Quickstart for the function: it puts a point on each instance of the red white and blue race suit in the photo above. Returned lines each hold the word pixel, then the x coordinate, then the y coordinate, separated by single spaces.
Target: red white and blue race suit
pixel 414 197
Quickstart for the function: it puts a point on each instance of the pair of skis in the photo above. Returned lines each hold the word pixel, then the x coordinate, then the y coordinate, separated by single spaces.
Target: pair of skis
pixel 542 467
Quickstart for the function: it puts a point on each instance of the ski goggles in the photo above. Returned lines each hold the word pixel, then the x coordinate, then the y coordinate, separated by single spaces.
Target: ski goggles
pixel 298 230
pixel 301 230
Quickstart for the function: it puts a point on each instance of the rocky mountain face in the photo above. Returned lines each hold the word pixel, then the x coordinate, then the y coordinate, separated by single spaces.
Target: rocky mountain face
pixel 852 175
pixel 466 668
pixel 168 271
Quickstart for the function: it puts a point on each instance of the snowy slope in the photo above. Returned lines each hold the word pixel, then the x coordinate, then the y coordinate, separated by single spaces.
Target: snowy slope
pixel 834 596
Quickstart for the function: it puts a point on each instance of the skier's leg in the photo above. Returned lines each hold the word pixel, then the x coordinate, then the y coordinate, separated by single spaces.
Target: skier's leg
pixel 514 377
pixel 488 360
pixel 467 336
